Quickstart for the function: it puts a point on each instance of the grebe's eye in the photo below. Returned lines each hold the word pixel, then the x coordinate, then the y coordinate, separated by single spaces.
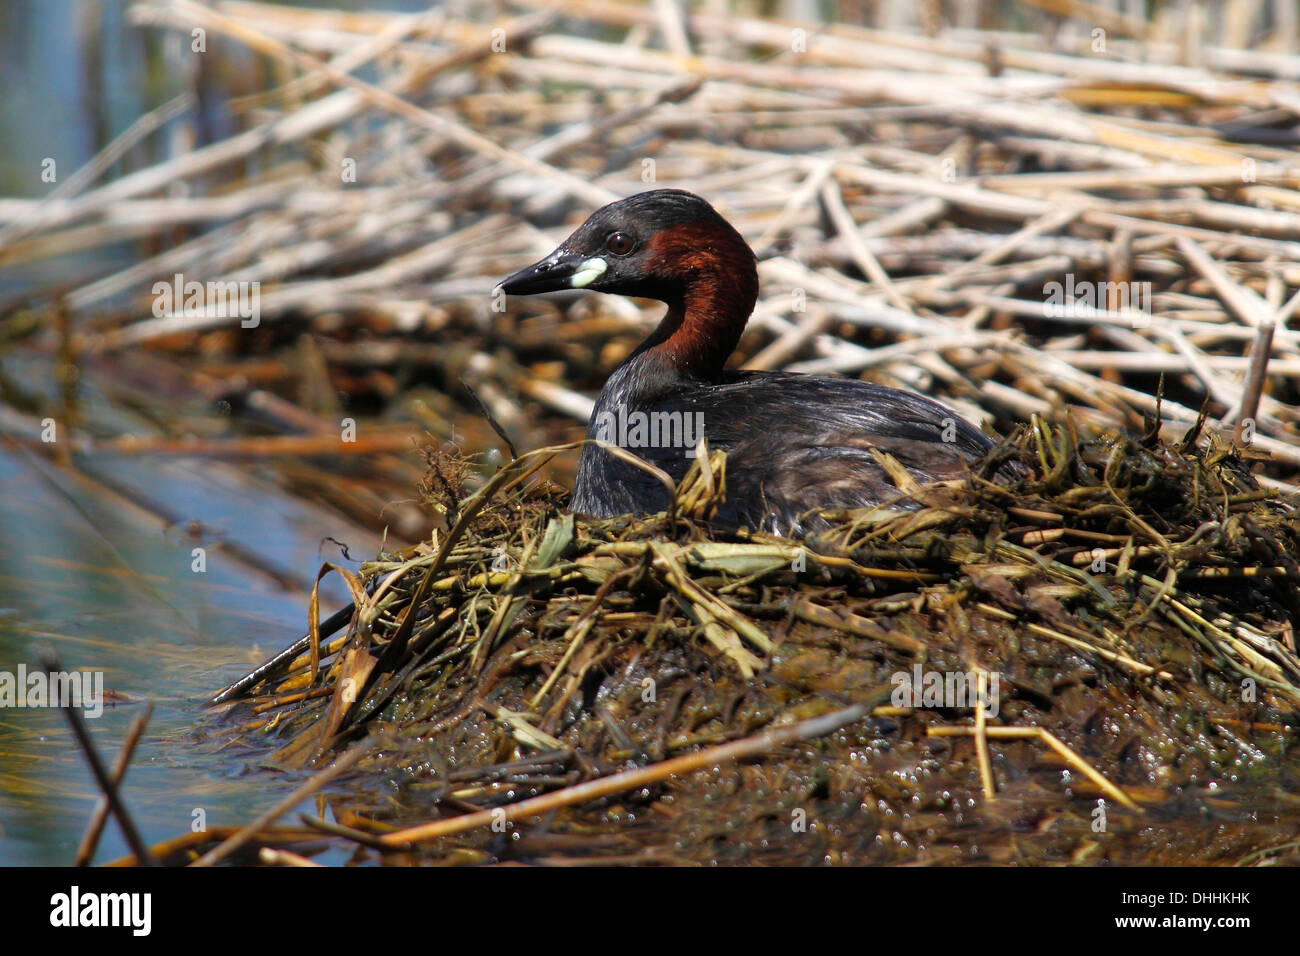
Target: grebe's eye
pixel 620 243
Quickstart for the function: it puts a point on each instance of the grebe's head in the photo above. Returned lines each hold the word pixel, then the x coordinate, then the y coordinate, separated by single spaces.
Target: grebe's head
pixel 656 245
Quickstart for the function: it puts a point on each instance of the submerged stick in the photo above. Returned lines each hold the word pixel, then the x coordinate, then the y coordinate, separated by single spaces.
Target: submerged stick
pixel 50 663
pixel 1052 741
pixel 345 762
pixel 95 829
pixel 642 776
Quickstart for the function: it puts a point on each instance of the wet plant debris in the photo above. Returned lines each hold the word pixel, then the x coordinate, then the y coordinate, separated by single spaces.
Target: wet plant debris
pixel 1055 671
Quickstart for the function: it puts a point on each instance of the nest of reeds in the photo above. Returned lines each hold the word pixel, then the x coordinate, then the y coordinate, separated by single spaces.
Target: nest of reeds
pixel 535 685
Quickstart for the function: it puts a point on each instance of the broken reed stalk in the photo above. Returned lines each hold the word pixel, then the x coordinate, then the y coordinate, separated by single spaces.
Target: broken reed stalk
pixel 273 857
pixel 1254 387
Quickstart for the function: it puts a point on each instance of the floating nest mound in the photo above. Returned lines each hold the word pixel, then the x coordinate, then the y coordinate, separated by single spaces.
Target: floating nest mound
pixel 531 685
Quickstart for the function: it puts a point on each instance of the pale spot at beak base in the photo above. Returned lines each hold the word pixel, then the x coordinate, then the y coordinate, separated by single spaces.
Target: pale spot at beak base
pixel 588 272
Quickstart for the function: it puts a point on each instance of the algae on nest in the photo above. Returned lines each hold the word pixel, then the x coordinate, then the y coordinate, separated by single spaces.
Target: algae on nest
pixel 671 695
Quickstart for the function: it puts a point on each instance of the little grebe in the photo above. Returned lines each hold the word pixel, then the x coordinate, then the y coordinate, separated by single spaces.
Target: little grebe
pixel 794 443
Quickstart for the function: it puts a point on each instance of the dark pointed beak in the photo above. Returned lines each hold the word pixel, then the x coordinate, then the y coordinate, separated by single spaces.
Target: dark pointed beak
pixel 552 274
